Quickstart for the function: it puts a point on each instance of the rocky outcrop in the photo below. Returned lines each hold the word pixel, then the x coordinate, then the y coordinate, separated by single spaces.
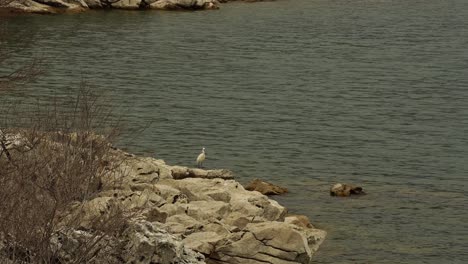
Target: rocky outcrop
pixel 60 6
pixel 197 216
pixel 265 187
pixel 146 211
pixel 345 190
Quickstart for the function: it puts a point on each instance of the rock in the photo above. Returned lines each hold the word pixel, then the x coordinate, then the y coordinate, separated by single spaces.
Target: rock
pixel 344 190
pixel 47 6
pixel 149 243
pixel 265 187
pixel 30 6
pixel 183 224
pixel 94 4
pixel 183 172
pixel 219 195
pixel 57 3
pixel 155 215
pixel 179 172
pixel 167 192
pixel 203 242
pixel 185 4
pixel 268 242
pixel 299 220
pixel 248 203
pixel 203 210
pixel 126 4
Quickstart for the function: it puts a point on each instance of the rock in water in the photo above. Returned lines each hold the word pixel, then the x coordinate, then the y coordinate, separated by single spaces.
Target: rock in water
pixel 345 190
pixel 265 188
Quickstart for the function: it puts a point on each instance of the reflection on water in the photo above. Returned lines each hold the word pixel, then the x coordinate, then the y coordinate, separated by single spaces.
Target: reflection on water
pixel 300 93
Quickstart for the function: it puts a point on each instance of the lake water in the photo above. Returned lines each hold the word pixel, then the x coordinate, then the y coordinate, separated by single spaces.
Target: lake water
pixel 301 93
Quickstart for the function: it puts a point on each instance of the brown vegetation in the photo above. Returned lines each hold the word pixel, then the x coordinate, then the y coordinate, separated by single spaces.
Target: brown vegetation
pixel 47 162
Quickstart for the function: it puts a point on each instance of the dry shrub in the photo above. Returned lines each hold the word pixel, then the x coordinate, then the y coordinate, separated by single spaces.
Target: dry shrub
pixel 49 159
pixel 54 154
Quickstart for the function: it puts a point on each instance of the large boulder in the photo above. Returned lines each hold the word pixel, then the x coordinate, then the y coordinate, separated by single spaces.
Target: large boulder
pixel 268 242
pixel 265 187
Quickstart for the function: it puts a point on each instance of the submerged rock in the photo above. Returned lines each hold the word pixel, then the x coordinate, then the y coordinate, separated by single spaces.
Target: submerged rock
pixel 344 190
pixel 265 187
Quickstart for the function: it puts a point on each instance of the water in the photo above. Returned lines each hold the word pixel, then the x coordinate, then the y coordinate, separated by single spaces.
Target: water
pixel 301 93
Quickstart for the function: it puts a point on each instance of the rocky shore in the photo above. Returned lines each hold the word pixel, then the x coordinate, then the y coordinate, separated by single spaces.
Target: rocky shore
pixel 186 215
pixel 66 6
pixel 142 210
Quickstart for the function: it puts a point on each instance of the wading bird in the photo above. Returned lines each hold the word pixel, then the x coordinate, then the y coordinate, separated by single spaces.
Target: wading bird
pixel 201 158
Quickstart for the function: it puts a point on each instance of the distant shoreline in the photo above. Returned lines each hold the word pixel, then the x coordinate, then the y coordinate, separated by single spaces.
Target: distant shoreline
pixel 78 6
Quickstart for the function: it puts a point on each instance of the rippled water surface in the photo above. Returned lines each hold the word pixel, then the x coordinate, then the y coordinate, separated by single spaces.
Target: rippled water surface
pixel 302 93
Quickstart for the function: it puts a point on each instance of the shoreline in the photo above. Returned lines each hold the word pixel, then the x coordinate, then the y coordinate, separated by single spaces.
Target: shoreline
pixel 79 6
pixel 141 210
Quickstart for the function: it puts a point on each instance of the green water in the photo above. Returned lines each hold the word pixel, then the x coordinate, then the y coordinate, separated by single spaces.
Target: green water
pixel 301 93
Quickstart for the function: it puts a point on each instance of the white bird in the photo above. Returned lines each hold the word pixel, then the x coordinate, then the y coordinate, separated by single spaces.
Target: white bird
pixel 201 158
